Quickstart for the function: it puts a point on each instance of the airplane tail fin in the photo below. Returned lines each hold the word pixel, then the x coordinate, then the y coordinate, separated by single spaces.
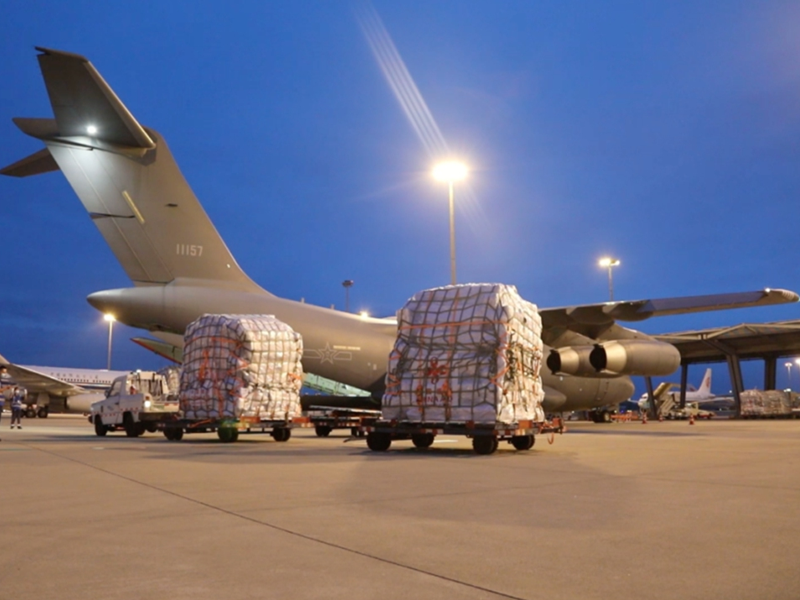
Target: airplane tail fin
pixel 705 386
pixel 126 178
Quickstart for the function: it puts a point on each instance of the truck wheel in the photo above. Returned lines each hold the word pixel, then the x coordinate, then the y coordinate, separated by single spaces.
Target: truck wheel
pixel 422 440
pixel 484 444
pixel 30 413
pixel 151 427
pixel 168 433
pixel 281 434
pixel 43 412
pixel 379 442
pixel 177 434
pixel 523 442
pixel 99 429
pixel 140 428
pixel 131 428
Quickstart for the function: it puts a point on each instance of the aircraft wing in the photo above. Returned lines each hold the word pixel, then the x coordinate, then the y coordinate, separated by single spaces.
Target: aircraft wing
pixel 639 310
pixel 34 381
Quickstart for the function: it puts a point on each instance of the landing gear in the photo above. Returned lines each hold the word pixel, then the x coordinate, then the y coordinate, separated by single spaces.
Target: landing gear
pixel 30 412
pixel 422 440
pixel 523 442
pixel 43 412
pixel 600 415
pixel 484 444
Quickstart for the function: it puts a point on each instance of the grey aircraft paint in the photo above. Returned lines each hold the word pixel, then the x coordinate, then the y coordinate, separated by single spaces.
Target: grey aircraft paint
pixel 128 181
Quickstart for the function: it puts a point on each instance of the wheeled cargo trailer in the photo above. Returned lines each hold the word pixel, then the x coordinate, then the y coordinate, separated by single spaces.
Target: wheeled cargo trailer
pixel 485 436
pixel 327 418
pixel 228 429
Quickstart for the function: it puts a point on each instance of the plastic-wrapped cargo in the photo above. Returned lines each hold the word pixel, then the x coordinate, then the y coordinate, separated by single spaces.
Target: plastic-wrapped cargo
pixel 238 366
pixel 766 403
pixel 466 353
pixel 172 374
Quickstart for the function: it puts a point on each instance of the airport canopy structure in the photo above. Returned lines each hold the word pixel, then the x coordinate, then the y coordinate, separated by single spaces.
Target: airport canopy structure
pixel 748 341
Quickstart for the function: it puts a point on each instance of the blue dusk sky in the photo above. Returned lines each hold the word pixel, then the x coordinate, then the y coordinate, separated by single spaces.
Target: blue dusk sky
pixel 663 133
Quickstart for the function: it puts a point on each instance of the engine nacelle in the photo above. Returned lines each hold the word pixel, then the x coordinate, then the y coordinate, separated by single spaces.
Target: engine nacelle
pixel 572 360
pixel 635 357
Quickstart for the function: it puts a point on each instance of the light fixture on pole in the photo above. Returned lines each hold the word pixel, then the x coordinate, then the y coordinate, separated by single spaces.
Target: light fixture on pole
pixel 110 318
pixel 347 284
pixel 788 366
pixel 609 263
pixel 451 172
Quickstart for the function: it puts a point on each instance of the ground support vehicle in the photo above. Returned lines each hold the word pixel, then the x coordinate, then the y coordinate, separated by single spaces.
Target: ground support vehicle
pixel 135 403
pixel 327 418
pixel 692 409
pixel 485 436
pixel 228 429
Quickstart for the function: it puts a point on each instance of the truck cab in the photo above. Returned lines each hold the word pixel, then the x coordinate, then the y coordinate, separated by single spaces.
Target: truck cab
pixel 135 403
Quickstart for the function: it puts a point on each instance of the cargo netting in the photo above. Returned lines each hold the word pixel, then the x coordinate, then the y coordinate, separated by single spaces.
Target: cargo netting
pixel 765 403
pixel 238 366
pixel 466 353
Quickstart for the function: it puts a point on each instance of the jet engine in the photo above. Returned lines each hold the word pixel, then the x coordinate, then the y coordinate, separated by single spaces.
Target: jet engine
pixel 615 358
pixel 635 357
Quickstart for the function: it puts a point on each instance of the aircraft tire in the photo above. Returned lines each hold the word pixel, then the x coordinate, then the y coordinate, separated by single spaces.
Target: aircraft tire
pixel 484 444
pixel 43 412
pixel 100 430
pixel 422 440
pixel 281 434
pixel 30 413
pixel 378 441
pixel 322 430
pixel 523 442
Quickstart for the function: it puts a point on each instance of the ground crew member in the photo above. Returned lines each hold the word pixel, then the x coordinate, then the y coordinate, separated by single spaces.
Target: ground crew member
pixel 16 407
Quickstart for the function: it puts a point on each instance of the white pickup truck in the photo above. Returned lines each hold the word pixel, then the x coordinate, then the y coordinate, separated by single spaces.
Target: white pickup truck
pixel 134 403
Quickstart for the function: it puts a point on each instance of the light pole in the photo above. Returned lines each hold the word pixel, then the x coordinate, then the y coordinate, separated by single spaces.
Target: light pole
pixel 609 263
pixel 451 172
pixel 110 318
pixel 788 366
pixel 347 284
pixel 797 362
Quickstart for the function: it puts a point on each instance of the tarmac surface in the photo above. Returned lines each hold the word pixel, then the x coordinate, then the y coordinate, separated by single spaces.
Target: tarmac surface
pixel 622 511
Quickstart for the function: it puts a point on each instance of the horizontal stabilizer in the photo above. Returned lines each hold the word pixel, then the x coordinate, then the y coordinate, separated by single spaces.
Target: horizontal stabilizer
pixel 85 105
pixel 35 164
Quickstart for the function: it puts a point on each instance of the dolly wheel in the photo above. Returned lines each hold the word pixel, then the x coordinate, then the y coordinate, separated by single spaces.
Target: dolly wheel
pixel 322 430
pixel 484 444
pixel 422 440
pixel 281 434
pixel 379 442
pixel 523 442
pixel 227 434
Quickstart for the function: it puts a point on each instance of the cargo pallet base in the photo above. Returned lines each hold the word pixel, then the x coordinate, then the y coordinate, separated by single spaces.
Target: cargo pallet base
pixel 485 436
pixel 326 418
pixel 228 429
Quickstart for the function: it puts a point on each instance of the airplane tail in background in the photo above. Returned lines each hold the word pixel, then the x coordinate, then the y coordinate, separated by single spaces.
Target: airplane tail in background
pixel 705 387
pixel 126 178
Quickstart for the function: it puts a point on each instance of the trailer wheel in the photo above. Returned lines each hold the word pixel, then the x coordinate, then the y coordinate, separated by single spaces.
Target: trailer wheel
pixel 281 434
pixel 228 434
pixel 99 429
pixel 322 430
pixel 379 442
pixel 422 440
pixel 484 444
pixel 523 442
pixel 43 412
pixel 151 427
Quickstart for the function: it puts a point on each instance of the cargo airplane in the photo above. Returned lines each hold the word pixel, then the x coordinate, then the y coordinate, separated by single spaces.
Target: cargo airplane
pixel 128 181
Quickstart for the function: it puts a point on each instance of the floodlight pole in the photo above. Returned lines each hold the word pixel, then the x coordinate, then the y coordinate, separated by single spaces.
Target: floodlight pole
pixel 110 330
pixel 452 239
pixel 610 284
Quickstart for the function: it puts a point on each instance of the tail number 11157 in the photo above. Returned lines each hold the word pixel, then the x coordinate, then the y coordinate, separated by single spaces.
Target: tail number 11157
pixel 188 250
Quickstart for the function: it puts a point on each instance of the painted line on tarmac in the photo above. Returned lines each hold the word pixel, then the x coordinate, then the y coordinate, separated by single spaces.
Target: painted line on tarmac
pixel 284 529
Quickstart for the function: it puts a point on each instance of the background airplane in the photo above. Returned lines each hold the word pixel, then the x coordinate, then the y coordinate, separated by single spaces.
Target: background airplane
pixel 74 389
pixel 134 192
pixel 700 394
